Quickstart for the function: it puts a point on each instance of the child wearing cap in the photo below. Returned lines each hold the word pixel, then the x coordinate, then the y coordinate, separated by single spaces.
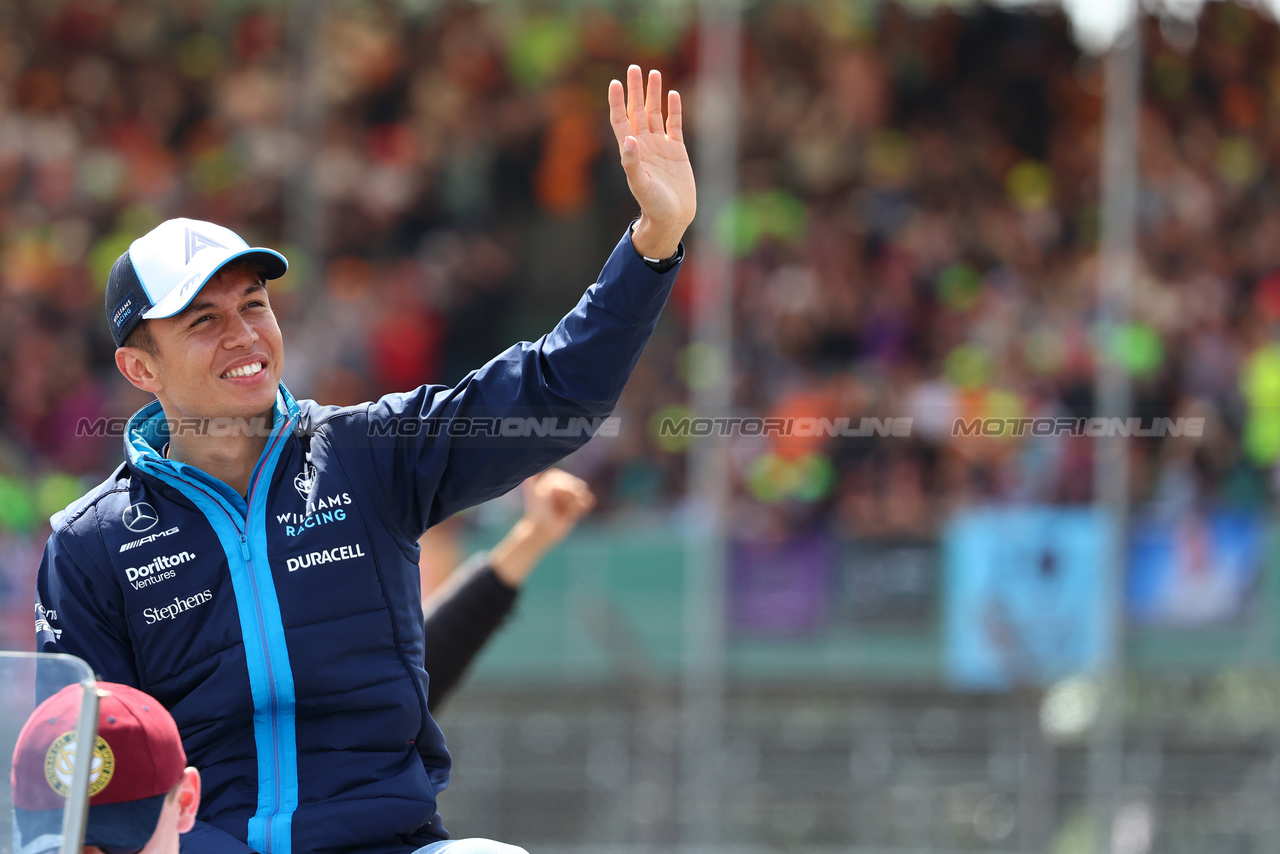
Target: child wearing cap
pixel 142 793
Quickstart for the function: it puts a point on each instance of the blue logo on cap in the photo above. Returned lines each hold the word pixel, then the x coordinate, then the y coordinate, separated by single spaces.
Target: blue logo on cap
pixel 123 312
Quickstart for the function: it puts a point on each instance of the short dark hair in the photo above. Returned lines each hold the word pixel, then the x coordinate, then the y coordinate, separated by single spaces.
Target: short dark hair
pixel 142 338
pixel 247 263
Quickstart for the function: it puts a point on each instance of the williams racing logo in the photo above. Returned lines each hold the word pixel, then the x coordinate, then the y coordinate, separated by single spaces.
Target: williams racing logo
pixel 60 762
pixel 320 511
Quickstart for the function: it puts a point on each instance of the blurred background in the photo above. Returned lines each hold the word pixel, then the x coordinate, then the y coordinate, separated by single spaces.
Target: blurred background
pixel 874 643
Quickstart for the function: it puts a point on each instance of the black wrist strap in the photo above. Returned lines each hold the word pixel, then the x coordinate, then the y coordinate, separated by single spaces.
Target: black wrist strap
pixel 659 265
pixel 665 264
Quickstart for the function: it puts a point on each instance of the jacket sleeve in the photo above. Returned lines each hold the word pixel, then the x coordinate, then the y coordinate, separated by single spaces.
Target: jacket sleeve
pixel 204 838
pixel 460 620
pixel 79 610
pixel 438 450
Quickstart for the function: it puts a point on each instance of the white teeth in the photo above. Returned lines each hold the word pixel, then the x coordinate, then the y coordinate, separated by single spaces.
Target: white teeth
pixel 244 370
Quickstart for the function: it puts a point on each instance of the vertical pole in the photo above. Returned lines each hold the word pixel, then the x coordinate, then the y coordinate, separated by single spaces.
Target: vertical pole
pixel 303 213
pixel 1118 256
pixel 702 709
pixel 76 817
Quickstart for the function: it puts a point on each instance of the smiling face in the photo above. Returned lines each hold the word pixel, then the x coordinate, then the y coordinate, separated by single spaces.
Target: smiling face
pixel 220 357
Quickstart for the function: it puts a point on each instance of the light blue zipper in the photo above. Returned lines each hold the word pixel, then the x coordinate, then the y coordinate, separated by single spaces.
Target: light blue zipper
pixel 243 536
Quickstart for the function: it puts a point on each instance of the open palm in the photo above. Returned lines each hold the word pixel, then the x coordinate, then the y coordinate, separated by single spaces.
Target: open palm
pixel 653 155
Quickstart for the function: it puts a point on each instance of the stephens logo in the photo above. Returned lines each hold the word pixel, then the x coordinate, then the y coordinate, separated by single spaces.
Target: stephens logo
pixel 159 569
pixel 150 538
pixel 168 612
pixel 332 555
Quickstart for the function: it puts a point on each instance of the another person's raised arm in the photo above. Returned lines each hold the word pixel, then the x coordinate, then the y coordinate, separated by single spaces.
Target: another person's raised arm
pixel 465 612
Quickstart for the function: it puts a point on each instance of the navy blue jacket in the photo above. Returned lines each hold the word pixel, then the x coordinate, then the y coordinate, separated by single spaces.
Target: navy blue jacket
pixel 283 629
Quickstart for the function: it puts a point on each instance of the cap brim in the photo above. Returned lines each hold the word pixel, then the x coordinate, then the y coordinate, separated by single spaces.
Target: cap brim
pixel 274 266
pixel 126 825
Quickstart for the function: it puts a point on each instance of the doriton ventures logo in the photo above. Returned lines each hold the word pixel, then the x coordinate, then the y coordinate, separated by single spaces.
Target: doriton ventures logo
pixel 140 517
pixel 157 570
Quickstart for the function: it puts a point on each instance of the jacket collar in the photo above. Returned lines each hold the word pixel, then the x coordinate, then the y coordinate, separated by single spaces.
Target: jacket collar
pixel 147 432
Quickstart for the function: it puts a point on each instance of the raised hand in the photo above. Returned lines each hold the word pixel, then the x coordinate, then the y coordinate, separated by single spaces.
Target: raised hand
pixel 554 501
pixel 655 161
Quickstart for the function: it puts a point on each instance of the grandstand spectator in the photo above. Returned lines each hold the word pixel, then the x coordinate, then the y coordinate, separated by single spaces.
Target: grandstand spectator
pixel 915 233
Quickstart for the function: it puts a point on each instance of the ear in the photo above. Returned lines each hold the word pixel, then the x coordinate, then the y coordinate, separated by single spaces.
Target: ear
pixel 188 799
pixel 139 367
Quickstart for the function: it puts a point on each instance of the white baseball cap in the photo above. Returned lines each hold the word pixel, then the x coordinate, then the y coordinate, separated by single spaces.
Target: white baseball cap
pixel 165 268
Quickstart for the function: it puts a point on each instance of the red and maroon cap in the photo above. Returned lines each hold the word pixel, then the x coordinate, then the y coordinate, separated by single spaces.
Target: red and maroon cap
pixel 137 759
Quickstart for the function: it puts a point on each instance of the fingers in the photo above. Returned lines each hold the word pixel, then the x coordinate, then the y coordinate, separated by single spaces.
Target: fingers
pixel 636 110
pixel 675 116
pixel 569 496
pixel 635 97
pixel 653 102
pixel 580 504
pixel 618 120
pixel 572 504
pixel 583 497
pixel 630 155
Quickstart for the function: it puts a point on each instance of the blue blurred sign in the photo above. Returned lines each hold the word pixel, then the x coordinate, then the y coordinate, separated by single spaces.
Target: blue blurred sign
pixel 1024 596
pixel 1196 569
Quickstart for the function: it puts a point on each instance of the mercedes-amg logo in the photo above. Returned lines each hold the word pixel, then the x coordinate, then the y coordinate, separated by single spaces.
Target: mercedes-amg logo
pixel 140 517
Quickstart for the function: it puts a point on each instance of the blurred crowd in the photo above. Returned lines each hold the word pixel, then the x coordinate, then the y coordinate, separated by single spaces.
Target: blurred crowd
pixel 914 234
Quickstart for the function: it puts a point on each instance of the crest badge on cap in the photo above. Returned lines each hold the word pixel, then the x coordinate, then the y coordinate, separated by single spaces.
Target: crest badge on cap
pixel 60 763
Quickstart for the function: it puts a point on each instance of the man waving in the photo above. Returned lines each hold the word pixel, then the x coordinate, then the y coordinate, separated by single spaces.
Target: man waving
pixel 253 562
